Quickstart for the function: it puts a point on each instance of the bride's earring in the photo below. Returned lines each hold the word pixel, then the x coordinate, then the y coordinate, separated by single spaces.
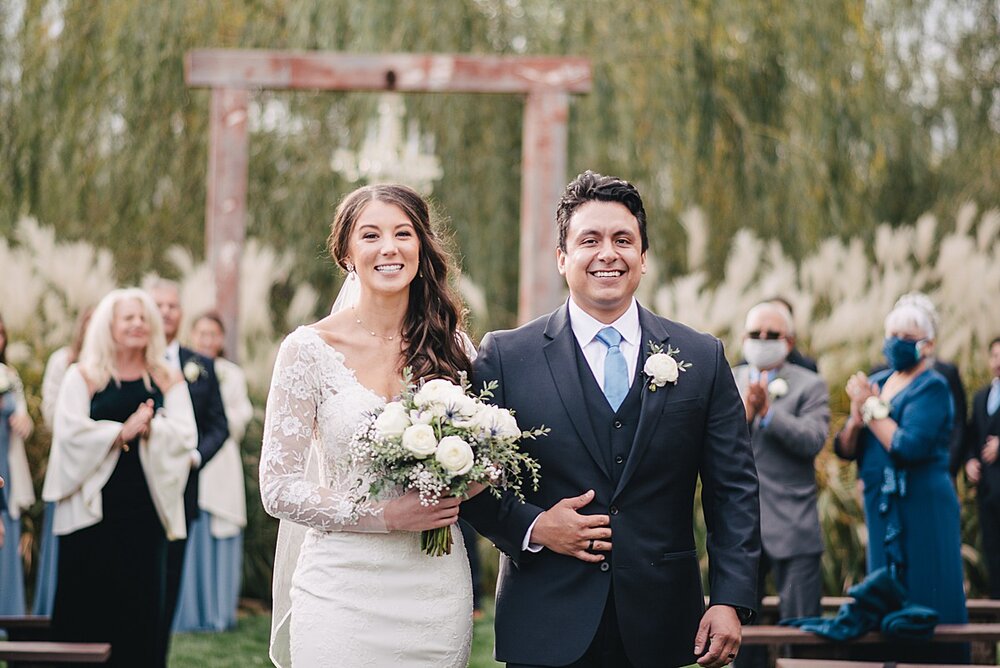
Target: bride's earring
pixel 350 268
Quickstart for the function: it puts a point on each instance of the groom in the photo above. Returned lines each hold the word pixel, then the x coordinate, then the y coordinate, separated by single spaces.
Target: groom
pixel 599 566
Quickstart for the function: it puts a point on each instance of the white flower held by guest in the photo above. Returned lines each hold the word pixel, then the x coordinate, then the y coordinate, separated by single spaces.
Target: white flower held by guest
pixel 420 440
pixel 455 455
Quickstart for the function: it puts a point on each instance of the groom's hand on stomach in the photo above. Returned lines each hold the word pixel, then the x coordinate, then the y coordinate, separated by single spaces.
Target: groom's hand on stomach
pixel 562 529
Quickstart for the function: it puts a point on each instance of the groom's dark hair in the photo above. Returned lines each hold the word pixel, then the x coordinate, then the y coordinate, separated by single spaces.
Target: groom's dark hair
pixel 590 186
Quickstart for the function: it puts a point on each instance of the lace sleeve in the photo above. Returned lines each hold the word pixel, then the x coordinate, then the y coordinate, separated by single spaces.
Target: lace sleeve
pixel 289 487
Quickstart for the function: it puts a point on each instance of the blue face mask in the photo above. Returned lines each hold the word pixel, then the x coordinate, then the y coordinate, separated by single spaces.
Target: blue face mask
pixel 900 354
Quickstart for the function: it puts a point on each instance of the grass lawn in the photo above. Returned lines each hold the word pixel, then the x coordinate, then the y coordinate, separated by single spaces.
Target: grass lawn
pixel 246 645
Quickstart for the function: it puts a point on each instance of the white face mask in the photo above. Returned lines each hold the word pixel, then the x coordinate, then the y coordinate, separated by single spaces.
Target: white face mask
pixel 764 354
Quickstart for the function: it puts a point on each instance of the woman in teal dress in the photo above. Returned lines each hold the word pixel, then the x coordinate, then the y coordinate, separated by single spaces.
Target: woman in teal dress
pixel 15 426
pixel 899 430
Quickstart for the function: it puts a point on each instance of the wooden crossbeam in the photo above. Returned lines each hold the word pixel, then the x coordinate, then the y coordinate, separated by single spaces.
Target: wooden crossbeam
pixel 406 72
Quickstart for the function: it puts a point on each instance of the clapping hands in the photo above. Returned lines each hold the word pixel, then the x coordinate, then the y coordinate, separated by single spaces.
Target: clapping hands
pixel 758 400
pixel 858 390
pixel 137 424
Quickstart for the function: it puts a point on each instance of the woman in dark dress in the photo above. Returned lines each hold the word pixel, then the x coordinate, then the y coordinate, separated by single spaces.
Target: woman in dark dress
pixel 899 430
pixel 124 428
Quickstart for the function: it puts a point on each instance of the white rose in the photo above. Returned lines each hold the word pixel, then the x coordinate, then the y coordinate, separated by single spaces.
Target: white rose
pixel 437 391
pixel 192 371
pixel 497 422
pixel 455 455
pixel 662 368
pixel 421 417
pixel 777 388
pixel 393 421
pixel 420 440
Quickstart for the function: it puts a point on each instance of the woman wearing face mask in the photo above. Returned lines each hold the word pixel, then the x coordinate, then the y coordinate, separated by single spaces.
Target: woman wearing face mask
pixel 898 430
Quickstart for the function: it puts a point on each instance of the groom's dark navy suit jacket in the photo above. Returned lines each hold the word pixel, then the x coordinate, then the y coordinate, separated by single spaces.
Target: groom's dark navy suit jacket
pixel 549 605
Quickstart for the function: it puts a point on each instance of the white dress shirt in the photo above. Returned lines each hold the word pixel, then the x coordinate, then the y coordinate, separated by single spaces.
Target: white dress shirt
pixel 173 354
pixel 585 328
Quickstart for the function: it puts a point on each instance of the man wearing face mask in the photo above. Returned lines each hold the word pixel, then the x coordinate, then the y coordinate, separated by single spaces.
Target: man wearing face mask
pixel 788 413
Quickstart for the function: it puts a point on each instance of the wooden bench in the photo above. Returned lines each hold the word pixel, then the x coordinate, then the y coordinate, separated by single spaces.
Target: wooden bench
pixel 822 663
pixel 27 627
pixel 980 609
pixel 984 637
pixel 38 654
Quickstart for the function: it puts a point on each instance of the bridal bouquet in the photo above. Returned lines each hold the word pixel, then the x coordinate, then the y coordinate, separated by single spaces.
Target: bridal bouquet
pixel 438 439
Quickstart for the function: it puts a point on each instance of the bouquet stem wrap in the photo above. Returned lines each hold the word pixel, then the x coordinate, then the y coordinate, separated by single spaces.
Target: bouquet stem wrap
pixel 436 542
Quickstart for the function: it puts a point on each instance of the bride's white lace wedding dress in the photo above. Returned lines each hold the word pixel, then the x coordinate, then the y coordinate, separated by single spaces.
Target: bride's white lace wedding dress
pixel 357 595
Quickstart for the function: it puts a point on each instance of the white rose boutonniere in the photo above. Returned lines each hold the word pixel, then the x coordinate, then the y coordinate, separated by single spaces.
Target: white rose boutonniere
pixel 777 388
pixel 662 367
pixel 874 409
pixel 193 370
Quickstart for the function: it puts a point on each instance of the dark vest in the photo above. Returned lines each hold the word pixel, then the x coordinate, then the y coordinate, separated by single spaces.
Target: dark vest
pixel 615 431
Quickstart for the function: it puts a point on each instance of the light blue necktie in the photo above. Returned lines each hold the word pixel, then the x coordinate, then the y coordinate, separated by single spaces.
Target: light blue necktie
pixel 615 368
pixel 993 401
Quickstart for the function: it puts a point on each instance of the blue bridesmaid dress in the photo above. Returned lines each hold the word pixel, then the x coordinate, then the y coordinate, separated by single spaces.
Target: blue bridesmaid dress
pixel 11 568
pixel 210 584
pixel 48 559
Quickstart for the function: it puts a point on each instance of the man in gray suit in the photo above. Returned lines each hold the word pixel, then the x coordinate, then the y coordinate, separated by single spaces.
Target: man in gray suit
pixel 788 413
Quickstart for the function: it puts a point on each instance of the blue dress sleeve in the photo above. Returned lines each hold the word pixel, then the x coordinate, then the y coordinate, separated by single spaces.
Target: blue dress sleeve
pixel 924 424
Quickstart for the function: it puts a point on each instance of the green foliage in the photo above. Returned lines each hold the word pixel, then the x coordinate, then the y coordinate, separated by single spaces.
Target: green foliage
pixel 796 120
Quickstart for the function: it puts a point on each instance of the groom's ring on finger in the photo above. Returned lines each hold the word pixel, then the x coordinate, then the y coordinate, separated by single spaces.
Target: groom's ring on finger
pixel 730 656
pixel 590 545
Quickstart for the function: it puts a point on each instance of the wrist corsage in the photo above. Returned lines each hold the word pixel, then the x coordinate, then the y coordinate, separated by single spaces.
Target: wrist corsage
pixel 874 409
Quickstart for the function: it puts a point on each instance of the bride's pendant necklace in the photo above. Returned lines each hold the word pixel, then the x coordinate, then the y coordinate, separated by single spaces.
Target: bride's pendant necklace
pixel 368 329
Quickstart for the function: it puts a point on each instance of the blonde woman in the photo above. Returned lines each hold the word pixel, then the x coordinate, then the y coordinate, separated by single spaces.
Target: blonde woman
pixel 213 565
pixel 124 430
pixel 15 426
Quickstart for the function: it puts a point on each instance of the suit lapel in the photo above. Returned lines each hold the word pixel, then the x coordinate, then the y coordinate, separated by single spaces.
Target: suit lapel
pixel 652 402
pixel 560 353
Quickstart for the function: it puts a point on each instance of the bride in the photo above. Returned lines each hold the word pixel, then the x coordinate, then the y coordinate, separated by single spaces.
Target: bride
pixel 351 585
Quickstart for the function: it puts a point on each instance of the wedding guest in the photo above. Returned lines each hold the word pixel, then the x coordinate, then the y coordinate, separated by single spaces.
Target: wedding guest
pixel 982 467
pixel 788 413
pixel 899 427
pixel 956 442
pixel 210 416
pixel 15 426
pixel 55 371
pixel 124 430
pixel 213 565
pixel 795 356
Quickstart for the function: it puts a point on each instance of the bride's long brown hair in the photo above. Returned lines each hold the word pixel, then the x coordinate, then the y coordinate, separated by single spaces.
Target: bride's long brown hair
pixel 431 344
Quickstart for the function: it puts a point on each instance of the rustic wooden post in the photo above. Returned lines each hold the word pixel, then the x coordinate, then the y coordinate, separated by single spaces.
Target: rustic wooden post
pixel 546 81
pixel 226 202
pixel 543 177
